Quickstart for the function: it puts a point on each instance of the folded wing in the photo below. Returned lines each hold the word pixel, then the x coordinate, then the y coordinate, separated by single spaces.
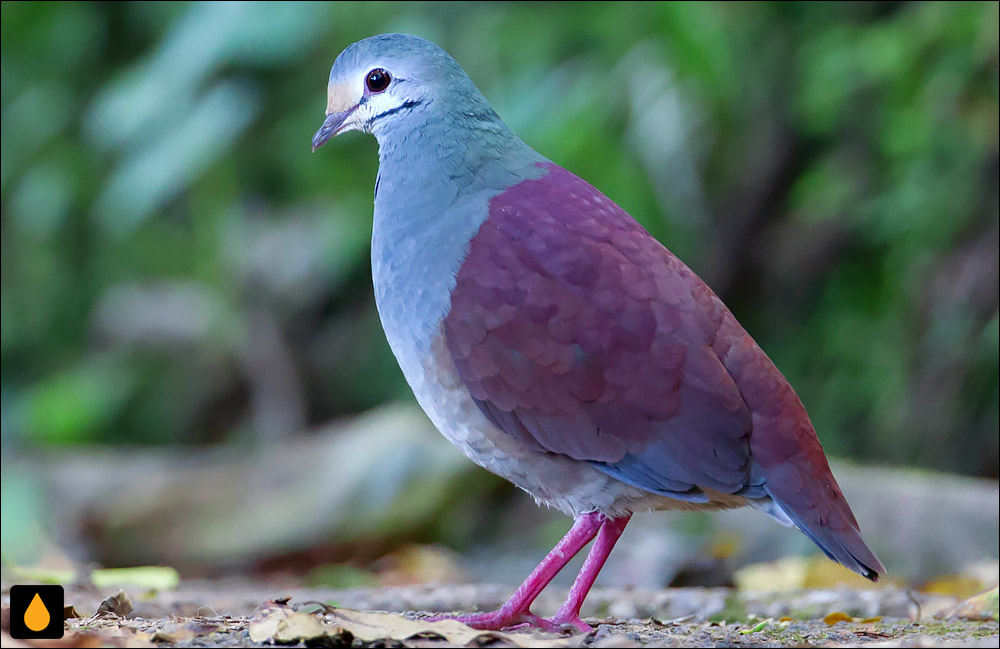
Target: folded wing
pixel 578 333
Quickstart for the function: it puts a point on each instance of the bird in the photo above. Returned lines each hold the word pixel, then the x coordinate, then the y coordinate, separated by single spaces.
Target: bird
pixel 555 341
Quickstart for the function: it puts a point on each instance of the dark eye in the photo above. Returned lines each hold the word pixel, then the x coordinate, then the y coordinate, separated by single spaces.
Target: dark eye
pixel 377 80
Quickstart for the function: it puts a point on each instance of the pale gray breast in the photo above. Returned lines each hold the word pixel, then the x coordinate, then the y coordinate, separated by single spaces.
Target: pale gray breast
pixel 414 263
pixel 422 229
pixel 418 246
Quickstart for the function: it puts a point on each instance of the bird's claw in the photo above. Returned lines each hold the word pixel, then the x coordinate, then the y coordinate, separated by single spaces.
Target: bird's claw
pixel 573 622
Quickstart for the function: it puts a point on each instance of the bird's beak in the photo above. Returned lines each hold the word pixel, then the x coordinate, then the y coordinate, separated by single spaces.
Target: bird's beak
pixel 331 127
pixel 341 101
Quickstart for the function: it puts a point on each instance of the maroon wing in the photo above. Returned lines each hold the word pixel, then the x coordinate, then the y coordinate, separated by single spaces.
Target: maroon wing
pixel 580 334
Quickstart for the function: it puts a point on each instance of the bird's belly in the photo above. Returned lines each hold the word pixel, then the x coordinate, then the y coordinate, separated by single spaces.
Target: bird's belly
pixel 558 481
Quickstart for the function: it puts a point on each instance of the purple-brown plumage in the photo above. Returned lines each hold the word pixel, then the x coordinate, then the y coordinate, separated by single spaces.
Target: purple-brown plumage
pixel 579 334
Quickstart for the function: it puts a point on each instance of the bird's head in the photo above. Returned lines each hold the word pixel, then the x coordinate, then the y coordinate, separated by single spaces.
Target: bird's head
pixel 385 80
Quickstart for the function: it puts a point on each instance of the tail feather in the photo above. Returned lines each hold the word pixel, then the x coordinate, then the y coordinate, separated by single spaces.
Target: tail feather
pixel 772 509
pixel 788 458
pixel 839 538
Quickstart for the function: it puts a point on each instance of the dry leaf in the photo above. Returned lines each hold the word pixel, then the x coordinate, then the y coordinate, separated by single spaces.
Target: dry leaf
pixel 276 622
pixel 373 626
pixel 119 605
pixel 264 621
pixel 87 640
pixel 303 627
pixel 177 633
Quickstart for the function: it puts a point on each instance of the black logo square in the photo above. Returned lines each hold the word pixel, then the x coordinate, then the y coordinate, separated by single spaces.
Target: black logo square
pixel 36 612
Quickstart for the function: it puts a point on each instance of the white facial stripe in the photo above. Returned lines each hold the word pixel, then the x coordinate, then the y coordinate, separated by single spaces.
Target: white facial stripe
pixel 341 97
pixel 344 95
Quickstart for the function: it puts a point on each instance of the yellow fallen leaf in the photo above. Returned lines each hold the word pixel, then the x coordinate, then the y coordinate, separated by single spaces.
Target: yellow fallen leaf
pixel 418 564
pixel 837 616
pixel 961 586
pixel 823 573
pixel 725 546
pixel 797 573
pixel 785 574
pixel 984 606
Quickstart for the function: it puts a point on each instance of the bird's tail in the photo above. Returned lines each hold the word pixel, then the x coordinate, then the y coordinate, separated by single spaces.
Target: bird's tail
pixel 806 495
pixel 788 459
pixel 838 536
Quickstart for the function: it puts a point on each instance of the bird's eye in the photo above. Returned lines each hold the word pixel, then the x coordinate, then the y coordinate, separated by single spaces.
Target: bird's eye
pixel 377 80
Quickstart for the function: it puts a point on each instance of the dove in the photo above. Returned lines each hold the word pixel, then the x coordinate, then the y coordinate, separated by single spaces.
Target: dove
pixel 557 343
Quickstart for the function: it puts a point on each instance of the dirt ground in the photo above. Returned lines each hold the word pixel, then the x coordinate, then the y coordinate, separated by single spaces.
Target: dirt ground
pixel 246 614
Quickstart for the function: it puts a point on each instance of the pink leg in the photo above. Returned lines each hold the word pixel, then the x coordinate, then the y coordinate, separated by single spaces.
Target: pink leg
pixel 569 612
pixel 515 610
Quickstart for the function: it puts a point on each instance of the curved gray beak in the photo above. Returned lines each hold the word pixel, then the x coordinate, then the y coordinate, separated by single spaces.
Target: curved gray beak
pixel 331 127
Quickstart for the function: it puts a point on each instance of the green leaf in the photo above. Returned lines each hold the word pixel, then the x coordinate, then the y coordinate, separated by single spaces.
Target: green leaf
pixel 148 577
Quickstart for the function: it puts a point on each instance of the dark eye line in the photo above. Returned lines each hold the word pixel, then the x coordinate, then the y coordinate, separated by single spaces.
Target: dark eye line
pixel 405 106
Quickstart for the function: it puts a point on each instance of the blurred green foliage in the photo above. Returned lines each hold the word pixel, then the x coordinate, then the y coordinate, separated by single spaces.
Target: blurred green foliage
pixel 177 266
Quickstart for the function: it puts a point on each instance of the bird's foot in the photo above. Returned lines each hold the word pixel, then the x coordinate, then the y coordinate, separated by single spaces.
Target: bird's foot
pixel 497 620
pixel 501 620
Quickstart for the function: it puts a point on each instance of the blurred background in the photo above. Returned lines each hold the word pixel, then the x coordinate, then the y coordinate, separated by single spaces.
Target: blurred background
pixel 193 372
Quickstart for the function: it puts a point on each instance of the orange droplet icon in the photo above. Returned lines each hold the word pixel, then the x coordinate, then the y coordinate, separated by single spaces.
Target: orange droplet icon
pixel 36 617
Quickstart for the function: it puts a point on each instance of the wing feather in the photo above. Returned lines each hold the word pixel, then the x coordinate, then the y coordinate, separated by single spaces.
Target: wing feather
pixel 579 334
pixel 576 332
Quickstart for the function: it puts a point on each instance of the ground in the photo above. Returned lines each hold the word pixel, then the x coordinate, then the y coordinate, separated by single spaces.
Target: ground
pixel 246 614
